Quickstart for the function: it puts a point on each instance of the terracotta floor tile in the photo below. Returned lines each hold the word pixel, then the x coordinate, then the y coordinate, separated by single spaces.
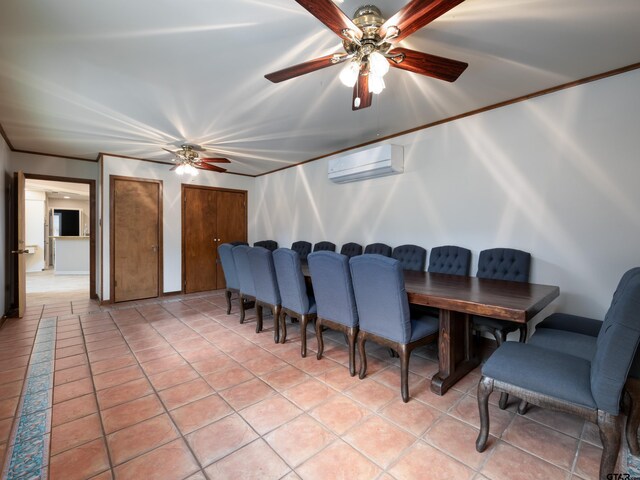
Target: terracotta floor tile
pixel 12 375
pixel 102 344
pixel 190 344
pixel 308 394
pixel 168 462
pixel 124 393
pixel 117 377
pixel 96 337
pixel 247 393
pixel 130 413
pixel 467 410
pixel 338 378
pixel 73 409
pixel 413 416
pixel 113 364
pixel 458 439
pixel 5 429
pixel 563 422
pixel 74 433
pixel 422 458
pixel 9 390
pixel 338 460
pixel 71 374
pixel 285 377
pixel 184 393
pixel 299 439
pixel 201 354
pixel 220 438
pixel 270 413
pixel 543 442
pixel 163 364
pixel 266 364
pixel 175 376
pixel 372 394
pixel 105 353
pixel 588 463
pixel 256 461
pixel 591 434
pixel 422 391
pixel 380 440
pixel 69 362
pixel 221 362
pixel 200 413
pixel 507 459
pixel 228 378
pixel 79 463
pixel 69 342
pixel 339 413
pixel 71 390
pixel 154 353
pixel 315 367
pixel 141 438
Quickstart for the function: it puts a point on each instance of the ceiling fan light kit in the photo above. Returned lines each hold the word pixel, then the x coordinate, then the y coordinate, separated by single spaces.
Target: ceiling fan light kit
pixel 369 46
pixel 188 161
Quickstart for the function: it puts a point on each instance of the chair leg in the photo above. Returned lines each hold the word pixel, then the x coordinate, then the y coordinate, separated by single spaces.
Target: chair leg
pixel 259 315
pixel 242 309
pixel 500 337
pixel 633 420
pixel 610 427
pixel 275 309
pixel 404 353
pixel 303 335
pixel 523 333
pixel 504 400
pixel 393 353
pixel 363 355
pixel 351 340
pixel 283 327
pixel 485 387
pixel 227 294
pixel 523 406
pixel 319 338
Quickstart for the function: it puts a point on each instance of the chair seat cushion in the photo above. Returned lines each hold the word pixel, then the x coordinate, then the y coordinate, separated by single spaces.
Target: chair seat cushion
pixel 576 344
pixel 495 323
pixel 423 326
pixel 544 371
pixel 572 323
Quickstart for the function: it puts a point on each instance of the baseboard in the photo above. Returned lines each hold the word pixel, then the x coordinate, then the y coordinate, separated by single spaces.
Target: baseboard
pixel 171 294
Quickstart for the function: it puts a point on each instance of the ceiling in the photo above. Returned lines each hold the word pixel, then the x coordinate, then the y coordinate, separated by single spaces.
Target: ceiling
pixel 129 77
pixel 58 190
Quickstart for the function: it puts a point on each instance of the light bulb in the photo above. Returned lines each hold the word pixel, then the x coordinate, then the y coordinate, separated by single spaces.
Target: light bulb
pixel 356 102
pixel 180 169
pixel 194 171
pixel 376 84
pixel 378 65
pixel 349 74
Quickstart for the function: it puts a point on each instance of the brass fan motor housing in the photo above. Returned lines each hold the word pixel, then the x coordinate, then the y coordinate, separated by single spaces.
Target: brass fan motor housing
pixel 369 19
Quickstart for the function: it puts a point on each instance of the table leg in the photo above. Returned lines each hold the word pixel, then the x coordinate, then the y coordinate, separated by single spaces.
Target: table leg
pixel 455 351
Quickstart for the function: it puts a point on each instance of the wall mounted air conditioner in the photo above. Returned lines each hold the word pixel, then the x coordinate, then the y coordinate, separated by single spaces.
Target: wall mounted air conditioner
pixel 370 163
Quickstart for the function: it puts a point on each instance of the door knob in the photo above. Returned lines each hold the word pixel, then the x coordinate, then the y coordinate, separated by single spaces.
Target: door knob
pixel 154 248
pixel 20 252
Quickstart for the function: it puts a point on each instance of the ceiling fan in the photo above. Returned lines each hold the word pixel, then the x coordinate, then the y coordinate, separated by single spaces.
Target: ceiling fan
pixel 188 160
pixel 369 43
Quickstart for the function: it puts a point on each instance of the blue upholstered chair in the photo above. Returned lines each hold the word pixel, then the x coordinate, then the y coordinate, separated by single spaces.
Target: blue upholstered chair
pixel 324 247
pixel 502 264
pixel 266 283
pixel 383 312
pixel 333 290
pixel 351 249
pixel 302 248
pixel 270 245
pixel 378 249
pixel 247 296
pixel 295 301
pixel 411 257
pixel 588 387
pixel 450 259
pixel 232 284
pixel 235 244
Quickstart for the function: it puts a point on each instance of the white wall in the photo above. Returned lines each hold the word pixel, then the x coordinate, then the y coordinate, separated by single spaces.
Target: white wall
pixel 557 176
pixel 171 207
pixel 34 229
pixel 5 173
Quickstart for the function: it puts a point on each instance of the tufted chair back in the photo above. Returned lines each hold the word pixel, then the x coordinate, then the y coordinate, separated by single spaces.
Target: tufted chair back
pixel 302 248
pixel 270 245
pixel 450 259
pixel 293 291
pixel 351 249
pixel 411 257
pixel 381 298
pixel 264 275
pixel 617 343
pixel 235 244
pixel 228 265
pixel 245 278
pixel 378 249
pixel 324 247
pixel 504 264
pixel 332 287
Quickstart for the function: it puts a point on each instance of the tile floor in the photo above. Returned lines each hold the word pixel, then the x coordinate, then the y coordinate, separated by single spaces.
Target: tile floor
pixel 176 389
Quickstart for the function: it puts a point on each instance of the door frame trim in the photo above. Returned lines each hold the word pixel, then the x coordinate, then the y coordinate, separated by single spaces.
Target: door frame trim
pixel 93 216
pixel 112 180
pixel 183 187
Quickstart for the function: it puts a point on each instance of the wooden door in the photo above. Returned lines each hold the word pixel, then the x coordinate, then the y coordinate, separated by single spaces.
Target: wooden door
pixel 136 238
pixel 231 224
pixel 20 250
pixel 199 212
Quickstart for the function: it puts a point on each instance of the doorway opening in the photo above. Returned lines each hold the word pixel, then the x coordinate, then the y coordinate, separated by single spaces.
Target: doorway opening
pixel 59 239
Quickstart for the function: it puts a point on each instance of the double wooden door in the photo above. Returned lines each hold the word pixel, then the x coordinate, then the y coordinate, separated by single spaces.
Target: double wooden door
pixel 210 217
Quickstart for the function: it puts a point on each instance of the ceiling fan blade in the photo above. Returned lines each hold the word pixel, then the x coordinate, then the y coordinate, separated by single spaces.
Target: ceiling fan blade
pixel 430 65
pixel 415 15
pixel 206 166
pixel 328 13
pixel 215 160
pixel 361 91
pixel 169 151
pixel 173 168
pixel 303 68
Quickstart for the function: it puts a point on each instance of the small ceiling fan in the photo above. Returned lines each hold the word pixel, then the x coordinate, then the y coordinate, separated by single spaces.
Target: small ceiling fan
pixel 369 43
pixel 188 160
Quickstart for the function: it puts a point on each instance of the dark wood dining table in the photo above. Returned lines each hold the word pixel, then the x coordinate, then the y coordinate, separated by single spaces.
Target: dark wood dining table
pixel 458 298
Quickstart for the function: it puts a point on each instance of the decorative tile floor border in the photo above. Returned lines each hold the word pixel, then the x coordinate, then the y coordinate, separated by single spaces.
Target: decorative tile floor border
pixel 28 454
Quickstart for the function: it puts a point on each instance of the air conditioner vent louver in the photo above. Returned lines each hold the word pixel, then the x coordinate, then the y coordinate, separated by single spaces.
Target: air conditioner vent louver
pixel 370 163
